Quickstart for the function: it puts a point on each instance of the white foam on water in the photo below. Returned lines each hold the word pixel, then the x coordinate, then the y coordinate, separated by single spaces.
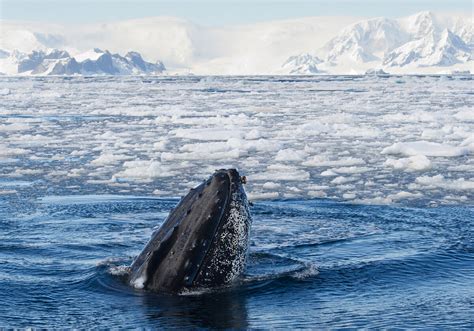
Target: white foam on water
pixel 139 283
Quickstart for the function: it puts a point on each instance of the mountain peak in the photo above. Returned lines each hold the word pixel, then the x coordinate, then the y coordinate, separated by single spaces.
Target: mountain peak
pixel 444 49
pixel 424 14
pixel 303 64
pixel 365 40
pixel 421 24
pixel 93 62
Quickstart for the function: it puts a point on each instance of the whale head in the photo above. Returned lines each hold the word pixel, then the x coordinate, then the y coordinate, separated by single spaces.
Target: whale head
pixel 203 242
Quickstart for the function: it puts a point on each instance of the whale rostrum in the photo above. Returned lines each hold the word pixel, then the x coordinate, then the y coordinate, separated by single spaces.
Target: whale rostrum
pixel 203 242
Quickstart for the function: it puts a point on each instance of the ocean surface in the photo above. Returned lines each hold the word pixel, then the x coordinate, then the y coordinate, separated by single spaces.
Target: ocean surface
pixel 362 190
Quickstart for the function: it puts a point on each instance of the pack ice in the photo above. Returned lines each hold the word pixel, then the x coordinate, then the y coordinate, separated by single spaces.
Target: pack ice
pixel 364 139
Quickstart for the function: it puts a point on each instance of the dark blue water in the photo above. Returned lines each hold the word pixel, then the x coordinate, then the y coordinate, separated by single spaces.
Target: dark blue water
pixel 313 264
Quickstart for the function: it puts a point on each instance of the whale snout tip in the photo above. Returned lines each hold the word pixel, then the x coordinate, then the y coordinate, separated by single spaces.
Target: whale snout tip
pixel 233 175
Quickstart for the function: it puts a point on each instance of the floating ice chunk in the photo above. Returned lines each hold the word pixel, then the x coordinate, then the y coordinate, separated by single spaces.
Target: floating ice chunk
pixel 432 134
pixel 208 147
pixel 342 180
pixel 160 192
pixel 79 152
pixel 234 148
pixel 320 161
pixel 328 173
pixel 462 168
pixel 439 181
pixel 260 145
pixel 345 130
pixel 14 127
pixel 263 195
pixel 350 170
pixel 418 116
pixel 468 142
pixel 282 172
pixel 107 135
pixel 161 145
pixel 293 189
pixel 145 169
pixel 100 181
pixel 391 198
pixel 22 172
pixel 349 196
pixel 456 198
pixel 8 151
pixel 310 128
pixel 208 155
pixel 317 194
pixel 412 163
pixel 109 158
pixel 290 154
pixel 237 121
pixel 5 91
pixel 403 195
pixel 339 117
pixel 316 187
pixel 426 148
pixel 208 134
pixel 466 115
pixel 271 186
pixel 5 192
pixel 253 134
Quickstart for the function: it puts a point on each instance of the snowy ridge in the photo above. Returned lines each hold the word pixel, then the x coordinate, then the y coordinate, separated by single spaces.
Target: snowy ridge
pixel 60 62
pixel 365 41
pixel 432 50
pixel 420 43
pixel 400 45
pixel 303 64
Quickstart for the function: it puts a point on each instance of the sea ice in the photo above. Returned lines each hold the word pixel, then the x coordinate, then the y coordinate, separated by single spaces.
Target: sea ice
pixel 360 139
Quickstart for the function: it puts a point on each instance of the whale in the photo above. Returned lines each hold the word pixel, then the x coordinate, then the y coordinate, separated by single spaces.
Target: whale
pixel 203 242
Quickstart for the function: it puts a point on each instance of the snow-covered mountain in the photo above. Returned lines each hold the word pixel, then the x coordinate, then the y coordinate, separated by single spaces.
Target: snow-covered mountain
pixel 421 43
pixel 445 49
pixel 365 41
pixel 303 64
pixel 412 43
pixel 93 62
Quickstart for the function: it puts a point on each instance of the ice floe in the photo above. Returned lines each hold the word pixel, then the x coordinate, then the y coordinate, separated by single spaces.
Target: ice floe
pixel 359 139
pixel 427 148
pixel 413 163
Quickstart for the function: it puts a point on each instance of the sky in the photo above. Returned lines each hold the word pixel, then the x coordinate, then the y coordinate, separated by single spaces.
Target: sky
pixel 216 12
